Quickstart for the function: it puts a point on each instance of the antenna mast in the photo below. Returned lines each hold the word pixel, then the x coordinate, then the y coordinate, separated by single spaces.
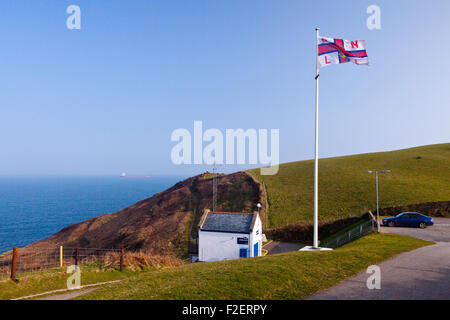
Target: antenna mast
pixel 214 188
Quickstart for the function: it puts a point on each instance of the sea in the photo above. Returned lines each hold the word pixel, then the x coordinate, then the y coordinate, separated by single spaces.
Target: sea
pixel 35 207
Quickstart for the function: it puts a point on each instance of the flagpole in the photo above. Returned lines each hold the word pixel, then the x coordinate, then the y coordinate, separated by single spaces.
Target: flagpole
pixel 316 153
pixel 315 246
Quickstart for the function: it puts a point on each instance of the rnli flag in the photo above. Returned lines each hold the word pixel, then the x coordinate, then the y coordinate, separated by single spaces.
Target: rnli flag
pixel 335 51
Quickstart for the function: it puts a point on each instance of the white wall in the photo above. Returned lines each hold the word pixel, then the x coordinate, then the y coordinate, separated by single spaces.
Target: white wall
pixel 215 246
pixel 254 237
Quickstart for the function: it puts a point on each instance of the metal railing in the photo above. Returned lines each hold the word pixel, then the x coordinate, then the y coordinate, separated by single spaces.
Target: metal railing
pixel 350 235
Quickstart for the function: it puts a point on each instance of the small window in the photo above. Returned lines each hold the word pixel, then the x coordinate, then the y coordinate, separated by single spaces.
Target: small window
pixel 243 240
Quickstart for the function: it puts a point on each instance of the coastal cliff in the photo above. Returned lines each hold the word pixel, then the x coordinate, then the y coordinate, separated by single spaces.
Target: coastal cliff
pixel 166 222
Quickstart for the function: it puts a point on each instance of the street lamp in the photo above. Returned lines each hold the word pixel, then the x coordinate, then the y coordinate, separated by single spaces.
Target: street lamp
pixel 376 182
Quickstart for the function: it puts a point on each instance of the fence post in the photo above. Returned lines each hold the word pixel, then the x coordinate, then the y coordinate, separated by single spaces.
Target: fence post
pixel 76 256
pixel 349 234
pixel 14 264
pixel 360 230
pixel 121 259
pixel 61 262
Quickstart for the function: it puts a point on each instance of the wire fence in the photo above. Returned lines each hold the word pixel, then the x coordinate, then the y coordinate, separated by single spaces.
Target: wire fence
pixel 35 259
pixel 350 235
pixel 5 262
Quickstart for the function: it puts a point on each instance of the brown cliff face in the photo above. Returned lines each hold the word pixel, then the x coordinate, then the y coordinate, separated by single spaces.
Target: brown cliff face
pixel 157 224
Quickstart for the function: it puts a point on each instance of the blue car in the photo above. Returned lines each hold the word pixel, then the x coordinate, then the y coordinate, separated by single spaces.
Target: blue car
pixel 409 219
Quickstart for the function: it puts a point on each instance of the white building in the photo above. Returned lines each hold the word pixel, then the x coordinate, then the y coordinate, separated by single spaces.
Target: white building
pixel 229 235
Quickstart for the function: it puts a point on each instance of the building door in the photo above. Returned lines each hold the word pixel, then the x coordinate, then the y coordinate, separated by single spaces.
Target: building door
pixel 256 249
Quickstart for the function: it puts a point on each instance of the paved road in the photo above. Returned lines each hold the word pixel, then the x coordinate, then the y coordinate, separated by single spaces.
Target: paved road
pixel 419 274
pixel 281 247
pixel 440 232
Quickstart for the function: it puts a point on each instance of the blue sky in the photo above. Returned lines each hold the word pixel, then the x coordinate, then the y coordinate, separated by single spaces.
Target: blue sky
pixel 106 98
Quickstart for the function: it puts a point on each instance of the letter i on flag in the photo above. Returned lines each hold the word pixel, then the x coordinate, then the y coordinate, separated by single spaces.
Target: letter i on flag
pixel 335 51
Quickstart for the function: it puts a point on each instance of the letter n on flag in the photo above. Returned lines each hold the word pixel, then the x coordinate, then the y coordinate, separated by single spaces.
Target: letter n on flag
pixel 336 51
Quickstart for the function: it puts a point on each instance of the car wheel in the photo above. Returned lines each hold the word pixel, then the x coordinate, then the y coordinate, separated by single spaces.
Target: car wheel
pixel 422 225
pixel 391 224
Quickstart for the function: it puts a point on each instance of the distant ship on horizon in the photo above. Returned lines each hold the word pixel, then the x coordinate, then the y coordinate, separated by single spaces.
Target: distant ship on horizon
pixel 124 175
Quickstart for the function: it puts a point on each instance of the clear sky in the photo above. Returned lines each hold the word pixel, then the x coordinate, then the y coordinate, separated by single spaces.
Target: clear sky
pixel 106 98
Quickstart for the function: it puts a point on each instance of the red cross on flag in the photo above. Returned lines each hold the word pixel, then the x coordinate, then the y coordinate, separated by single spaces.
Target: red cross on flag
pixel 335 51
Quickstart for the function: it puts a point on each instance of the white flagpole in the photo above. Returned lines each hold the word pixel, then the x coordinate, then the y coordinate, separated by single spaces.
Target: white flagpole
pixel 316 153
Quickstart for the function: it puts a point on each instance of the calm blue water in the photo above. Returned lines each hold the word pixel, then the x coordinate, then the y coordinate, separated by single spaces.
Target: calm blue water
pixel 33 208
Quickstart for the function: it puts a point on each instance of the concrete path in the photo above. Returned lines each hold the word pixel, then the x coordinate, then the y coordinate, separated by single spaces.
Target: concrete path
pixel 67 296
pixel 419 274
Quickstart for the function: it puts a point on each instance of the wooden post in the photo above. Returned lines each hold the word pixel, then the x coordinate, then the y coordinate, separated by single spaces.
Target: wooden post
pixel 121 259
pixel 61 262
pixel 76 256
pixel 14 264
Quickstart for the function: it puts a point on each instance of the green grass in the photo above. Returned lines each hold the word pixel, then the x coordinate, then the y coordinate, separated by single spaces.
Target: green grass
pixel 54 279
pixel 418 175
pixel 183 239
pixel 285 276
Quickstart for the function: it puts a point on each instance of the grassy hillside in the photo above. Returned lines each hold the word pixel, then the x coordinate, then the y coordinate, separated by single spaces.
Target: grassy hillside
pixel 291 275
pixel 418 175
